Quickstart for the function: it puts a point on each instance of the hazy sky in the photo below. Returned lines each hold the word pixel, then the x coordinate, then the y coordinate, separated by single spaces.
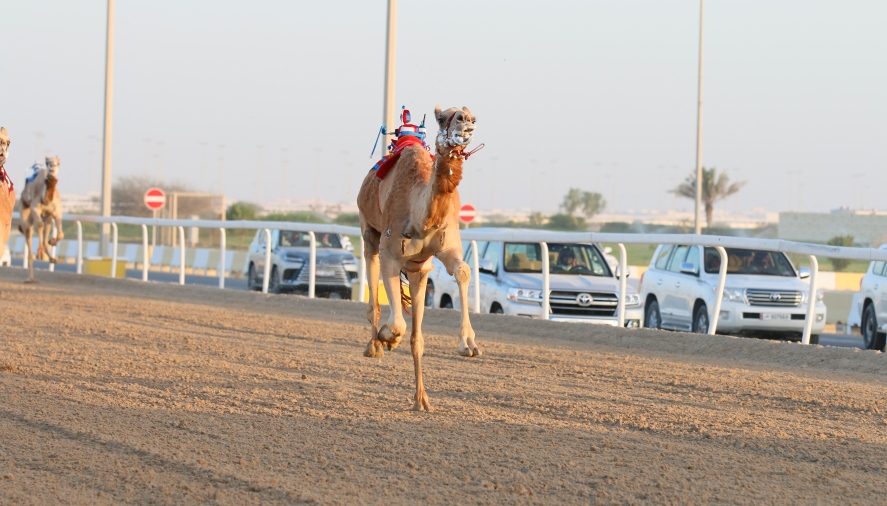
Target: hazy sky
pixel 599 95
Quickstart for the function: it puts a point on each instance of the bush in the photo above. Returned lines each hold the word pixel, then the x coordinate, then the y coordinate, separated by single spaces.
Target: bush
pixel 839 264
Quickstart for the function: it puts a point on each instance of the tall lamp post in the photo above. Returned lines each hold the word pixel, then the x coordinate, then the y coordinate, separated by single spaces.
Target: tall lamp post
pixel 106 152
pixel 698 229
pixel 390 52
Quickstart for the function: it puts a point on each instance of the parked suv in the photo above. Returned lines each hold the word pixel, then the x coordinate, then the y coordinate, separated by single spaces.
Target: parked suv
pixel 583 288
pixel 873 295
pixel 764 294
pixel 290 251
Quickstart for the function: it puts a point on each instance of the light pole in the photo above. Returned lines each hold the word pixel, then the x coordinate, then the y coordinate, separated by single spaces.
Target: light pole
pixel 106 151
pixel 390 53
pixel 698 229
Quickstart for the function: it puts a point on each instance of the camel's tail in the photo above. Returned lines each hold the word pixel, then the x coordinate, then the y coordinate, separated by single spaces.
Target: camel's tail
pixel 405 300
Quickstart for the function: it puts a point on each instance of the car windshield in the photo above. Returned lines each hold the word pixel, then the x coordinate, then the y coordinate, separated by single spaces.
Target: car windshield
pixel 746 261
pixel 289 239
pixel 573 258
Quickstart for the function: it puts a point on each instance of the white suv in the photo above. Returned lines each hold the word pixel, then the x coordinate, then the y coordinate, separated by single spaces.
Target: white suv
pixel 873 295
pixel 511 283
pixel 764 294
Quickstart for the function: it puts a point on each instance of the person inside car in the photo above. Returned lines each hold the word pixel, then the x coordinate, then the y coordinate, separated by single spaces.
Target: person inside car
pixel 566 261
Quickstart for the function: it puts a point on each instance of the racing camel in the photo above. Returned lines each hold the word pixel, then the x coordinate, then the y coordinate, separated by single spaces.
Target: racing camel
pixel 408 214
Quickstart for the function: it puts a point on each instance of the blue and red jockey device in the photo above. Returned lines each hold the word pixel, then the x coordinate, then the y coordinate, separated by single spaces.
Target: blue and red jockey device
pixel 407 134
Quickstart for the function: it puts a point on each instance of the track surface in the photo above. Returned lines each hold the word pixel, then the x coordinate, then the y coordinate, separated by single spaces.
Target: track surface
pixel 115 391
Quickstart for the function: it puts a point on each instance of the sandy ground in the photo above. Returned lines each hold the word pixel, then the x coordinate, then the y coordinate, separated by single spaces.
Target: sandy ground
pixel 118 391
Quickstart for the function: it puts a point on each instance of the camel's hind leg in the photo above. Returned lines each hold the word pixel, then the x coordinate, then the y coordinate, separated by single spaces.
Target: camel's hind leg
pixel 418 282
pixel 452 260
pixel 392 332
pixel 374 348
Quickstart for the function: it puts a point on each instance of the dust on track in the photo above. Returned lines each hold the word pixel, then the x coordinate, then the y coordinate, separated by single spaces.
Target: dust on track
pixel 116 390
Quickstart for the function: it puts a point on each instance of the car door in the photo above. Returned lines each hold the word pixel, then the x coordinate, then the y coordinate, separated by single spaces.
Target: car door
pixel 257 254
pixel 692 286
pixel 489 283
pixel 879 295
pixel 652 280
pixel 673 304
pixel 467 258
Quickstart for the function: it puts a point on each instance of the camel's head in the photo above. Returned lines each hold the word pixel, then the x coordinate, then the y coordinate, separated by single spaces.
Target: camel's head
pixel 4 146
pixel 52 165
pixel 456 126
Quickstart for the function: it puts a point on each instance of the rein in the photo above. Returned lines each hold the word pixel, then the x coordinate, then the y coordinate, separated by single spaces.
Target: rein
pixel 5 178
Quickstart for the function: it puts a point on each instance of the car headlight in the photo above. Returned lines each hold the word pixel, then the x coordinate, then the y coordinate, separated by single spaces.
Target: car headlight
pixel 632 300
pixel 349 264
pixel 732 294
pixel 819 296
pixel 525 295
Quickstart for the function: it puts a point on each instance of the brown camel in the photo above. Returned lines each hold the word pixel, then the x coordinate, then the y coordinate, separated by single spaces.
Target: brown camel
pixel 406 218
pixel 7 192
pixel 41 207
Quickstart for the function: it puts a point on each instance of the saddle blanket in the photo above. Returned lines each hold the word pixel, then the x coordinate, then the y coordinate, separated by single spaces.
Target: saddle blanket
pixel 387 162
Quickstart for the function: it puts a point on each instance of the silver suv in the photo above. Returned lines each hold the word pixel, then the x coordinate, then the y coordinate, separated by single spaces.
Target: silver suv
pixel 873 298
pixel 290 251
pixel 583 288
pixel 764 294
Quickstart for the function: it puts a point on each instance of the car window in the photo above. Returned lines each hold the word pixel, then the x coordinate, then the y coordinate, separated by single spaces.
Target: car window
pixel 693 257
pixel 492 254
pixel 260 237
pixel 878 268
pixel 680 253
pixel 325 240
pixel 746 261
pixel 293 239
pixel 662 259
pixel 466 256
pixel 576 258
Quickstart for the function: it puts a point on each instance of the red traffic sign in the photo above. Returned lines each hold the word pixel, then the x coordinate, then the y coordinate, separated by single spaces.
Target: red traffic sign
pixel 155 199
pixel 467 213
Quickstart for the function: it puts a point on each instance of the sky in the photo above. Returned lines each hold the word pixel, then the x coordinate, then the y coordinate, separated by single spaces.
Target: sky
pixel 283 99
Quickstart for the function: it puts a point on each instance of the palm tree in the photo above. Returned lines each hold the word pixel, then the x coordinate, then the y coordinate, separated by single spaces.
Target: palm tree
pixel 715 187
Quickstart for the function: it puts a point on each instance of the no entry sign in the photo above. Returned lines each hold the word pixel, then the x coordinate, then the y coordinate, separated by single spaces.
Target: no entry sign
pixel 155 199
pixel 467 213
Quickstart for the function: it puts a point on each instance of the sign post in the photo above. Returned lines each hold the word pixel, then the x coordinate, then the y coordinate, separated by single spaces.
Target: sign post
pixel 155 199
pixel 467 213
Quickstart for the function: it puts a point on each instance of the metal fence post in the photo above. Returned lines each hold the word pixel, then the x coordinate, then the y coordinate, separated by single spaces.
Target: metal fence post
pixel 363 271
pixel 267 270
pixel 546 282
pixel 114 250
pixel 144 252
pixel 719 295
pixel 623 268
pixel 222 236
pixel 475 275
pixel 79 247
pixel 312 261
pixel 182 255
pixel 811 301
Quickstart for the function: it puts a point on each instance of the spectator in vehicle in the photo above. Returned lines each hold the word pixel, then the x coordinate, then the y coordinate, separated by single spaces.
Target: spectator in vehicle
pixel 566 261
pixel 325 241
pixel 763 263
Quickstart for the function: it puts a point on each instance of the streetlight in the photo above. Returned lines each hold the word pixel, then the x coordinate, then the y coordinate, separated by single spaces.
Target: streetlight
pixel 106 151
pixel 698 228
pixel 390 54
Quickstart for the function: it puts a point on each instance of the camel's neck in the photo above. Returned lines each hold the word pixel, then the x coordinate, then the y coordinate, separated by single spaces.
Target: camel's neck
pixel 443 197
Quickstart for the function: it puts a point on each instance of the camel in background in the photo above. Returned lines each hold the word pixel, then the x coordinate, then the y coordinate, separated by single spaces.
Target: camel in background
pixel 406 218
pixel 41 208
pixel 7 191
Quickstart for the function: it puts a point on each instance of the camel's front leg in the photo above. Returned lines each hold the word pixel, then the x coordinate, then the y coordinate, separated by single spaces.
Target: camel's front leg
pixel 418 282
pixel 29 248
pixel 393 331
pixel 44 234
pixel 452 260
pixel 53 241
pixel 374 348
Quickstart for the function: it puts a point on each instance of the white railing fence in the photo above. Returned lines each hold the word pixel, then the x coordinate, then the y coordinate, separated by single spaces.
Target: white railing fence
pixel 542 237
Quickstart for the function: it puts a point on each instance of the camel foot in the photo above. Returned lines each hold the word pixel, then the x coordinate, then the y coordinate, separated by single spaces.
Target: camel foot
pixel 470 351
pixel 421 403
pixel 374 350
pixel 391 339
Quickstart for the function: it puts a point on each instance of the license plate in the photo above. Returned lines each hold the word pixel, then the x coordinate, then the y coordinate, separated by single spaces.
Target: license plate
pixel 325 273
pixel 776 316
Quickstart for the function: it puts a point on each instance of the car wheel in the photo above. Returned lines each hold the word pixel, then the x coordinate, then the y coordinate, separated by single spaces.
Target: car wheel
pixel 334 295
pixel 871 338
pixel 652 317
pixel 700 320
pixel 446 302
pixel 814 338
pixel 274 281
pixel 497 309
pixel 429 294
pixel 252 279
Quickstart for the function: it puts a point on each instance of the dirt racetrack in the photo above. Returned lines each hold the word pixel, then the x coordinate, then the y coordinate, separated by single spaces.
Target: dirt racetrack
pixel 118 391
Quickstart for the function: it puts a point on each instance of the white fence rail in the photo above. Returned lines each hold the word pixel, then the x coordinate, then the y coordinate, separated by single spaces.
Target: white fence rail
pixel 542 237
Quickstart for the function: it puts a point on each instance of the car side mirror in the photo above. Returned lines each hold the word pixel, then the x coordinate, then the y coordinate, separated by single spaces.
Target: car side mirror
pixel 689 268
pixel 804 272
pixel 619 272
pixel 485 265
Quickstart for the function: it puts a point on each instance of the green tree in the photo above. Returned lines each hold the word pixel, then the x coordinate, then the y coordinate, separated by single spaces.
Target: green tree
pixel 536 219
pixel 566 222
pixel 715 187
pixel 240 211
pixel 839 264
pixel 589 203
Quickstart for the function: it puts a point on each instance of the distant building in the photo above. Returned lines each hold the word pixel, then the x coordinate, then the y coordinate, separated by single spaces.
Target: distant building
pixel 868 227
